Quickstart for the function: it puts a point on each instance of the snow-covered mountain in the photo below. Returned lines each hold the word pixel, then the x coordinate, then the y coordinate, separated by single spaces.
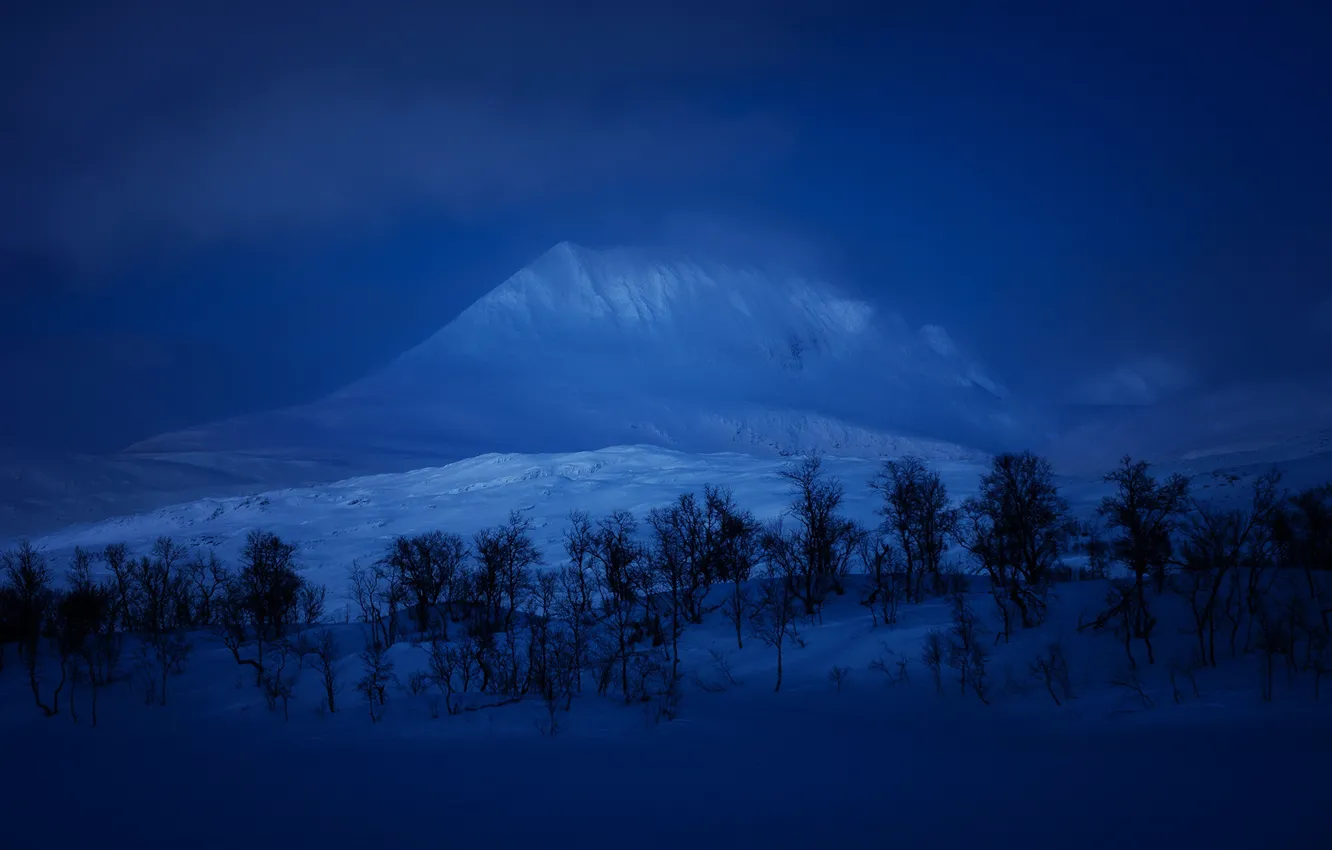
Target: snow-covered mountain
pixel 584 349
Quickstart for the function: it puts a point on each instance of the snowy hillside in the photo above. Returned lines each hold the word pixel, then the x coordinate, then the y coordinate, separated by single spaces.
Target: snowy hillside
pixel 337 523
pixel 355 518
pixel 584 349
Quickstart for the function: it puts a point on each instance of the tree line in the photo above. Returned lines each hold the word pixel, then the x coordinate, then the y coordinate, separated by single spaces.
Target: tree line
pixel 499 624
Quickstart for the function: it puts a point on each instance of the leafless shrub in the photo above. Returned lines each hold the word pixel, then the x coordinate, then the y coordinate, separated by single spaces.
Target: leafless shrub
pixel 418 682
pixel 878 559
pixel 278 682
pixel 1129 677
pixel 722 665
pixel 324 651
pixel 559 684
pixel 655 685
pixel 1051 668
pixel 773 619
pixel 510 665
pixel 837 675
pixel 158 657
pixel 723 677
pixel 453 670
pixel 378 676
pixel 966 652
pixel 1127 614
pixel 310 602
pixel 891 665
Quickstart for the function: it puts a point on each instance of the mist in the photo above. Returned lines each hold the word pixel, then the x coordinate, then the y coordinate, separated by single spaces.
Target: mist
pixel 211 217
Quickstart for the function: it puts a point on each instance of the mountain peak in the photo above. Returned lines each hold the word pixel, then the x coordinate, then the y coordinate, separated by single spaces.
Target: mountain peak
pixel 586 348
pixel 629 295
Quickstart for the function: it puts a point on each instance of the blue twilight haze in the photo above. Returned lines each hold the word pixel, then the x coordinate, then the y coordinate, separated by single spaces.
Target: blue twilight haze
pixel 222 207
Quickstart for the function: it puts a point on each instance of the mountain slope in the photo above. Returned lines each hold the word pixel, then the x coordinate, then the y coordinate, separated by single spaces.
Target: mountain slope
pixel 584 349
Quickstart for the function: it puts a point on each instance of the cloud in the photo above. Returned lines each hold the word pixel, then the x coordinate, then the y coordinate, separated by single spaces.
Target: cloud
pixel 1140 382
pixel 142 123
pixel 324 154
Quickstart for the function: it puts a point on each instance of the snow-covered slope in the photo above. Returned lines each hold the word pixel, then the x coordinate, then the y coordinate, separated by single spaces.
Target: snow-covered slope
pixel 1286 422
pixel 585 349
pixel 337 523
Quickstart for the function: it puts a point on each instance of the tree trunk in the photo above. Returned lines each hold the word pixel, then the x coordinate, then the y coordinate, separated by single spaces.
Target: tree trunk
pixel 739 619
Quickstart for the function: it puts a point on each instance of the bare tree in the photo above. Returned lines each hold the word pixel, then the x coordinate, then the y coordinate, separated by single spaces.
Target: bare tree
pixel 1304 535
pixel 270 582
pixel 917 517
pixel 695 528
pixel 262 601
pixel 117 558
pixel 620 563
pixel 544 629
pixel 161 588
pixel 160 656
pixel 1051 668
pixel 28 582
pixel 773 617
pixel 966 652
pixel 818 540
pixel 879 561
pixel 737 551
pixel 578 586
pixel 453 669
pixel 1143 515
pixel 428 566
pixel 328 663
pixel 838 675
pixel 378 676
pixel 207 578
pixel 505 558
pixel 1011 528
pixel 85 629
pixel 279 679
pixel 310 601
pixel 669 568
pixel 371 590
pixel 163 591
pixel 1218 542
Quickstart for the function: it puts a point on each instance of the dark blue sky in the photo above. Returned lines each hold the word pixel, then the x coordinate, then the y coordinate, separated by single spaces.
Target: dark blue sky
pixel 218 206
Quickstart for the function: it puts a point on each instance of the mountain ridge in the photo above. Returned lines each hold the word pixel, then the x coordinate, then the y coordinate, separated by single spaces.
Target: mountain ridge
pixel 584 348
